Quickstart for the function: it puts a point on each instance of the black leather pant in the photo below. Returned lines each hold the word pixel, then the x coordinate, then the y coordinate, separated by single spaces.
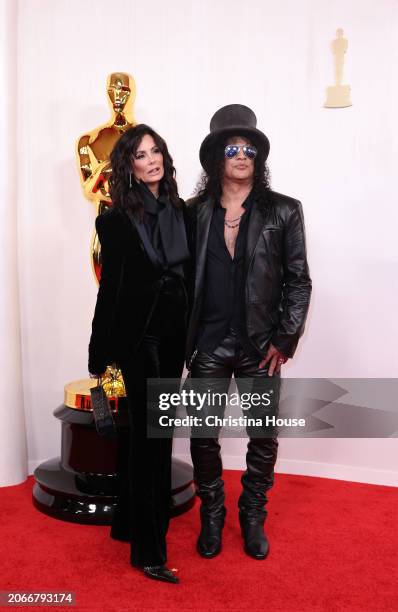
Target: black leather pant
pixel 230 358
pixel 144 464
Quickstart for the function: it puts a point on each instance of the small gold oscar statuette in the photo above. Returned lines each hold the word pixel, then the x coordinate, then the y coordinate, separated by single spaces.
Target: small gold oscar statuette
pixel 338 95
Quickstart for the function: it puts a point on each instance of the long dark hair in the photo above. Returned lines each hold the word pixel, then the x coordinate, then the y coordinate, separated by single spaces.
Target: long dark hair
pixel 210 182
pixel 121 193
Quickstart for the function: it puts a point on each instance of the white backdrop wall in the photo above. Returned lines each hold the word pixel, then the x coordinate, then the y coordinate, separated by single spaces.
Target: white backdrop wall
pixel 189 59
pixel 13 451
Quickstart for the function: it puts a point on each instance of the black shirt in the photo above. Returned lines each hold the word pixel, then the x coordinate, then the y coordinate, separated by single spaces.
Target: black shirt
pixel 224 289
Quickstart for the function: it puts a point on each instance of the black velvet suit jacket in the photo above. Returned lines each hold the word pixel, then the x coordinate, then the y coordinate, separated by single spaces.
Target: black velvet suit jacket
pixel 127 291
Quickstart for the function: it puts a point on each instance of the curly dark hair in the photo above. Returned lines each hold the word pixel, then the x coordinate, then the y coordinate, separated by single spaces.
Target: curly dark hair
pixel 121 193
pixel 210 183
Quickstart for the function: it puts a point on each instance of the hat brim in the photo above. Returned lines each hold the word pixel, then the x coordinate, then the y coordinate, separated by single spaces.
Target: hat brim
pixel 255 136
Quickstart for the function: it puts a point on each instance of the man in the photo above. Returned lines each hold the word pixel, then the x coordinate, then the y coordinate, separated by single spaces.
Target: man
pixel 250 298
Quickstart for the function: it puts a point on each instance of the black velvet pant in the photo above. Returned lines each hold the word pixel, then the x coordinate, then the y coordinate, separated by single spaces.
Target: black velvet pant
pixel 144 464
pixel 230 358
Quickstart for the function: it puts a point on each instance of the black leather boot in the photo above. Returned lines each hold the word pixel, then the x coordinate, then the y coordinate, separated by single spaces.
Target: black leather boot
pixel 256 481
pixel 210 488
pixel 256 544
pixel 209 541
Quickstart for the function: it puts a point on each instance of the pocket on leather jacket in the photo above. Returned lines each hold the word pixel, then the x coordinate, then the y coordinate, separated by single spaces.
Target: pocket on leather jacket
pixel 272 228
pixel 272 237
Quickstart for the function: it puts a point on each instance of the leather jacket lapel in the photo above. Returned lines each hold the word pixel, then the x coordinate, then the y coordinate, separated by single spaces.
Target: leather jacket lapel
pixel 204 215
pixel 256 224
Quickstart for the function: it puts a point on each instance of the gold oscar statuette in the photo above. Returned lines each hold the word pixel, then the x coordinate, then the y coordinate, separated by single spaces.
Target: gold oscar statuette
pixel 93 152
pixel 338 95
pixel 95 147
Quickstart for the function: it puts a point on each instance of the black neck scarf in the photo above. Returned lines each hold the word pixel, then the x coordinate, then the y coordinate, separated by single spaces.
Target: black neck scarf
pixel 165 229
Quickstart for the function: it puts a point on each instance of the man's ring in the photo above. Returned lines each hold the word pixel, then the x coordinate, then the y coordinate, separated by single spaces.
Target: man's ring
pixel 280 361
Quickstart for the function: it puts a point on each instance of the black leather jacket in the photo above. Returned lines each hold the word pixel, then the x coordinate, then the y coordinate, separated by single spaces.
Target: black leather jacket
pixel 278 285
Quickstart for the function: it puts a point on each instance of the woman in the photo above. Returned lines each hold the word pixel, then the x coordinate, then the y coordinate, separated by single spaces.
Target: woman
pixel 139 323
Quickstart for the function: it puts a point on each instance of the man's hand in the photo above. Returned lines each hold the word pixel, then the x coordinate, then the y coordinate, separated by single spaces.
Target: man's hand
pixel 275 358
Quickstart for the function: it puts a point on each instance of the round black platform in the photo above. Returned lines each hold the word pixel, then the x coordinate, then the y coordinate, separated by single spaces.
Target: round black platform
pixel 80 485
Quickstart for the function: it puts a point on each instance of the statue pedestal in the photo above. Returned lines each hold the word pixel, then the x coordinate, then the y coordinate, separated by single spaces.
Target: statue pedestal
pixel 80 485
pixel 338 96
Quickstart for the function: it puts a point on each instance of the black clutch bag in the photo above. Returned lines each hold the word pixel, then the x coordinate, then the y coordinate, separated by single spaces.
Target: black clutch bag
pixel 102 413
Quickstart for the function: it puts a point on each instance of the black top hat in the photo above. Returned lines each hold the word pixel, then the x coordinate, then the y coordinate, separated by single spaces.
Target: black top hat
pixel 232 120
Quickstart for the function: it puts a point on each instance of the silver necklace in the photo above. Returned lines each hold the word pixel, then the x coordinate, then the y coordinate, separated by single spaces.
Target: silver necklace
pixel 232 223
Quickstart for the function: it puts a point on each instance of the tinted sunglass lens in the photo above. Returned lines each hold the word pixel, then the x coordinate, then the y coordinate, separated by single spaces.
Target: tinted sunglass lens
pixel 250 152
pixel 231 151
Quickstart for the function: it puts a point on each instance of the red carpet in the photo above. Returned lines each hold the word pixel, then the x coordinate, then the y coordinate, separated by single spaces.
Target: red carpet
pixel 334 546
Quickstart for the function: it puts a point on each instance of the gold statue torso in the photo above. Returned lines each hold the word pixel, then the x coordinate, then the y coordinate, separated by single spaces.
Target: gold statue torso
pixel 94 150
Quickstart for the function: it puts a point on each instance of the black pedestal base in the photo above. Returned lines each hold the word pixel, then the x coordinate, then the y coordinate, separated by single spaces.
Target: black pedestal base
pixel 80 486
pixel 66 496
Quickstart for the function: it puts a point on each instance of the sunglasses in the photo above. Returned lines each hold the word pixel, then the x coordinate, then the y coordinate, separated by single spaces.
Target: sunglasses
pixel 232 150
